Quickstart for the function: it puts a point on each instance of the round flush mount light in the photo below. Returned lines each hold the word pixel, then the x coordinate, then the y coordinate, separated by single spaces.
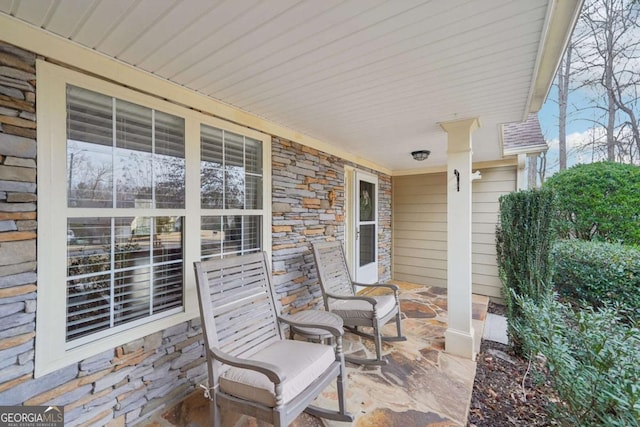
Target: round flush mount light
pixel 420 155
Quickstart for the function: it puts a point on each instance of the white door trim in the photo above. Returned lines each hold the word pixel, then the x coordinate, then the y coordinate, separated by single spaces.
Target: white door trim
pixel 349 213
pixel 367 273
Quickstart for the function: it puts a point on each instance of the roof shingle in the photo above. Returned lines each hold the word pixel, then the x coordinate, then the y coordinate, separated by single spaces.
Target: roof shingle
pixel 523 137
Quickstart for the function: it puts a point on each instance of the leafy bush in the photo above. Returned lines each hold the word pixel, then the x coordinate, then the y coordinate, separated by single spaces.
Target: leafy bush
pixel 590 359
pixel 598 201
pixel 524 238
pixel 598 273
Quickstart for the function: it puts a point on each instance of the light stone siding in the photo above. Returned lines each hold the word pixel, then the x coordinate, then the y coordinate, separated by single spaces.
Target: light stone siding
pixel 17 218
pixel 420 228
pixel 127 384
pixel 302 179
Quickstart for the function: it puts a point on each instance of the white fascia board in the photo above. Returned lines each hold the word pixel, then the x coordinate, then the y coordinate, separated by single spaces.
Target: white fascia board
pixel 527 150
pixel 560 21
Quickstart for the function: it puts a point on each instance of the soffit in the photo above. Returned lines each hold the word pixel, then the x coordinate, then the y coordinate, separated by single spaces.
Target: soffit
pixel 369 76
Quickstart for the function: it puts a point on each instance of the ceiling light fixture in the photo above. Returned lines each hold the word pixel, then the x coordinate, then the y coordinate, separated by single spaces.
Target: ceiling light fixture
pixel 420 155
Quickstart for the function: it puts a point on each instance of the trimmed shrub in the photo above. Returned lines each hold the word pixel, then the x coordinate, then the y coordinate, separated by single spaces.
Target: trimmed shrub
pixel 598 201
pixel 524 238
pixel 590 359
pixel 598 273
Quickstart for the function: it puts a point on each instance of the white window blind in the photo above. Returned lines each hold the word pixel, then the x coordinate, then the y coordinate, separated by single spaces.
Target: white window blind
pixel 122 269
pixel 231 179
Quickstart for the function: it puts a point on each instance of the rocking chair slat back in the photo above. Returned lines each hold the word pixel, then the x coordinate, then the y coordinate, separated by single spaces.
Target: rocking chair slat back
pixel 241 309
pixel 334 274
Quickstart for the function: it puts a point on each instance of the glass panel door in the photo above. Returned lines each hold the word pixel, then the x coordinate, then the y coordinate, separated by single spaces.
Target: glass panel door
pixel 366 235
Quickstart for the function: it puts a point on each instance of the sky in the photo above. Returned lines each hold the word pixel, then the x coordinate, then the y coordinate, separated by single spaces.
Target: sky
pixel 577 130
pixel 580 120
pixel 548 116
pixel 580 129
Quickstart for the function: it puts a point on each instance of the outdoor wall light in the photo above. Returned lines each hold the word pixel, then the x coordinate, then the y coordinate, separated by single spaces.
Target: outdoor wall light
pixel 332 197
pixel 420 155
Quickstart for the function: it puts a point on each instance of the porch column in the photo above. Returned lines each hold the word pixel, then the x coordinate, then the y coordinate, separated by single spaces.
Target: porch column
pixel 459 334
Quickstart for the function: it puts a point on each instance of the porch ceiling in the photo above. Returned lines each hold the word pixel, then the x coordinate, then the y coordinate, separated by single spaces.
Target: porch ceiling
pixel 372 77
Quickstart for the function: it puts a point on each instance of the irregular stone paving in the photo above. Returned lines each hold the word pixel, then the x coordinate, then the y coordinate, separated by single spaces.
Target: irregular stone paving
pixel 421 385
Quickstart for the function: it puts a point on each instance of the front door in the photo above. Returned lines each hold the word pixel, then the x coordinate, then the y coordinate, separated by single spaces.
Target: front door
pixel 366 224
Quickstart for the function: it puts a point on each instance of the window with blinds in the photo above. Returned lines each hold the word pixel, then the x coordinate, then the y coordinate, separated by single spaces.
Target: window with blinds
pixel 125 210
pixel 231 179
pixel 142 187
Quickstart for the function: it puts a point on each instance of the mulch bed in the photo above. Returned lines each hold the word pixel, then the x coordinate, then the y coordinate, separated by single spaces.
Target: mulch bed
pixel 500 396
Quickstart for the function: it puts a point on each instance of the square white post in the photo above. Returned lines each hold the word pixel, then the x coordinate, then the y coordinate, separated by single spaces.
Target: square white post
pixel 459 334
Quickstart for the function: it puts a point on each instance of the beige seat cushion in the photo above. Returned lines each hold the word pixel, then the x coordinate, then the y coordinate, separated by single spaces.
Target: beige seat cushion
pixel 318 317
pixel 302 362
pixel 362 309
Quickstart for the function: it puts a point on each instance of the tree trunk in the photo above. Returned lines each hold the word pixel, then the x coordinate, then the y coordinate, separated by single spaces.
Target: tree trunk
pixel 563 95
pixel 633 122
pixel 609 58
pixel 611 122
pixel 542 167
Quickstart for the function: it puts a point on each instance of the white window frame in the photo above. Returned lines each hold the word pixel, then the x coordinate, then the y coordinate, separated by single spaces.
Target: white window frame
pixel 242 212
pixel 52 351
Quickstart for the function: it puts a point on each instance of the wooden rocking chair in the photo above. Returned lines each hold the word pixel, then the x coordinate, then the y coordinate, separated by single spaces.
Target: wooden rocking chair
pixel 339 294
pixel 253 369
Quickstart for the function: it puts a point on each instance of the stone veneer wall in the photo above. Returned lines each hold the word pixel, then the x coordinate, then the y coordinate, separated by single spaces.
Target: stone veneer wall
pixel 384 227
pixel 121 386
pixel 127 384
pixel 302 179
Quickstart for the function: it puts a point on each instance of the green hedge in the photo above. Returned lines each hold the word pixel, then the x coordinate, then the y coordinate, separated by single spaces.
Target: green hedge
pixel 598 273
pixel 598 201
pixel 524 238
pixel 590 359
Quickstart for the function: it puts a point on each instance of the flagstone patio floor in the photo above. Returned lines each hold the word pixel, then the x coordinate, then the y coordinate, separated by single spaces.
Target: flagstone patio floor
pixel 420 386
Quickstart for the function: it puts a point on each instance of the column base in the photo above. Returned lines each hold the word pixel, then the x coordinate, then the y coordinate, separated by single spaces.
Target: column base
pixel 459 343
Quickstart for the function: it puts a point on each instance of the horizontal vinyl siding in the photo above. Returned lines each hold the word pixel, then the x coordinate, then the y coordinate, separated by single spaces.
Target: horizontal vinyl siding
pixel 486 207
pixel 420 228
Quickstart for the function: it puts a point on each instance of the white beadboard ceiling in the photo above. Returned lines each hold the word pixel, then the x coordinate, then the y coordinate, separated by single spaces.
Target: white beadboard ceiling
pixel 372 77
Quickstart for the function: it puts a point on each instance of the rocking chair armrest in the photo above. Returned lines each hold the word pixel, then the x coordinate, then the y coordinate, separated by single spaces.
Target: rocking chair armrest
pixel 272 372
pixel 333 331
pixel 370 300
pixel 378 285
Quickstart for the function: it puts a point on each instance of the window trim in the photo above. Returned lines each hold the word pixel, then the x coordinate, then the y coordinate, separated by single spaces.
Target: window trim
pixel 51 349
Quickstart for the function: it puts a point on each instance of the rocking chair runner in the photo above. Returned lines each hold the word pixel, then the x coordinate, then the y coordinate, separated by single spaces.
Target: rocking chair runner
pixel 339 294
pixel 253 369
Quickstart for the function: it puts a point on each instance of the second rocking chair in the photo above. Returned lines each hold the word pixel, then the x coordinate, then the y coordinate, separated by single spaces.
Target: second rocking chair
pixel 339 294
